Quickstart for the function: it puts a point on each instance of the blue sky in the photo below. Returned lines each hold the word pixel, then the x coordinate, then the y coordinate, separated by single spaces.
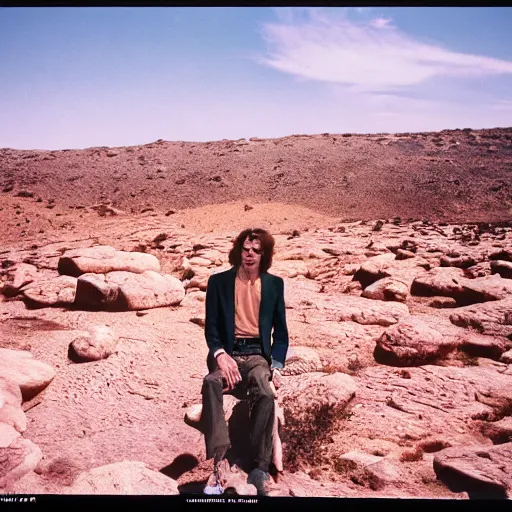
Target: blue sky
pixel 83 77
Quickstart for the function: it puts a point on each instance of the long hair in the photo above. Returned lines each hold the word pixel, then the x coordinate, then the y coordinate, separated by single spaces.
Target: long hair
pixel 267 245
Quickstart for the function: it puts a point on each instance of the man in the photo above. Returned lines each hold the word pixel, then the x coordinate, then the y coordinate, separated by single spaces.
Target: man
pixel 243 305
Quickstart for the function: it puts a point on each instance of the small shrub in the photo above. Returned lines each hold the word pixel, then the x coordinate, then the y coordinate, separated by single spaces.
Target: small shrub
pixel 412 456
pixel 305 436
pixel 434 446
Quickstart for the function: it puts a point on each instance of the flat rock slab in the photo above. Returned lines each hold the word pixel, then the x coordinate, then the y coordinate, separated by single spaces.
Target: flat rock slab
pixel 450 282
pixel 129 291
pixel 478 470
pixel 57 291
pixel 491 318
pixel 101 259
pixel 126 477
pixel 420 340
pixel 31 375
pixel 370 312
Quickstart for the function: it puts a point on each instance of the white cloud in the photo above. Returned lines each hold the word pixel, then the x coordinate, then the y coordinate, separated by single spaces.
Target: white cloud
pixel 371 55
pixel 380 22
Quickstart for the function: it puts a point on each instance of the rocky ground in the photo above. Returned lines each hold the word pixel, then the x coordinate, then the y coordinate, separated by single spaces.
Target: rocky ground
pixel 398 376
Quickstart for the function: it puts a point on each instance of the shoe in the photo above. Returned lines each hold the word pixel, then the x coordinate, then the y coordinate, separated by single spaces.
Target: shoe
pixel 261 480
pixel 213 485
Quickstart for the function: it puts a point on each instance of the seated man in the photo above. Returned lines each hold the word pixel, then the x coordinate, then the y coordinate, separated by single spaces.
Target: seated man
pixel 243 305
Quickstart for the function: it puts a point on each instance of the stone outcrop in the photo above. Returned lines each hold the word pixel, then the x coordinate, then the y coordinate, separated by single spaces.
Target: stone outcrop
pixel 123 478
pixel 31 375
pixel 481 471
pixel 101 259
pixel 57 291
pixel 129 291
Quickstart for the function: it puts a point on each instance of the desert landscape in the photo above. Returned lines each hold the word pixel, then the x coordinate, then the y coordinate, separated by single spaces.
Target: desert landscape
pixel 396 252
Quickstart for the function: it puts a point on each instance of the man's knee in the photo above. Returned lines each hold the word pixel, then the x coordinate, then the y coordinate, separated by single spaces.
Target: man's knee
pixel 212 380
pixel 261 383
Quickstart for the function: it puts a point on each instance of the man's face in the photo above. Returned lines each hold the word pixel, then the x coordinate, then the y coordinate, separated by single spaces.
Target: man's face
pixel 251 255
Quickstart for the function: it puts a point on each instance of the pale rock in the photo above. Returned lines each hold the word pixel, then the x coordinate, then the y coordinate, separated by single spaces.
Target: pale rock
pixel 506 357
pixel 367 311
pixel 101 259
pixel 23 275
pixel 11 412
pixel 498 431
pixel 417 341
pixel 8 434
pixel 309 394
pixel 375 268
pixel 301 360
pixel 440 281
pixel 201 262
pixel 289 268
pixel 58 291
pixel 479 470
pixel 503 268
pixel 386 289
pixel 31 375
pixel 130 291
pixel 488 318
pixel 123 478
pixel 98 344
pixel 19 458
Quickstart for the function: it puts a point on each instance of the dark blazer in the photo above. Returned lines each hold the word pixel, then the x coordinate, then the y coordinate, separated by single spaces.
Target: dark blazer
pixel 220 315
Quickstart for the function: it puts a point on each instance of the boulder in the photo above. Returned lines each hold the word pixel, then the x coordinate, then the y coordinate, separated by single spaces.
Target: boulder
pixel 498 431
pixel 463 261
pixel 439 281
pixel 367 311
pixel 123 478
pixel 506 357
pixel 503 268
pixel 388 288
pixel 31 375
pixel 11 412
pixel 101 259
pixel 481 471
pixel 129 291
pixel 200 261
pixel 489 318
pixel 16 460
pixel 414 341
pixel 98 344
pixel 504 254
pixel 312 393
pixel 58 291
pixel 23 275
pixel 378 470
pixel 450 282
pixel 375 268
pixel 301 360
pixel 8 435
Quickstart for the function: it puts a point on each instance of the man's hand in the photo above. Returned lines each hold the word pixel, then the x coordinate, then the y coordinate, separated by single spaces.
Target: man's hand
pixel 230 371
pixel 276 378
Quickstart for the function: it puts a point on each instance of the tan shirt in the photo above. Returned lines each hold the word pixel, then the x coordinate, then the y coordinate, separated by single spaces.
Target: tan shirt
pixel 247 306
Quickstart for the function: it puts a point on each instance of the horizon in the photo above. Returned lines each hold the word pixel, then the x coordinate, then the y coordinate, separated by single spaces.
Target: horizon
pixel 77 78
